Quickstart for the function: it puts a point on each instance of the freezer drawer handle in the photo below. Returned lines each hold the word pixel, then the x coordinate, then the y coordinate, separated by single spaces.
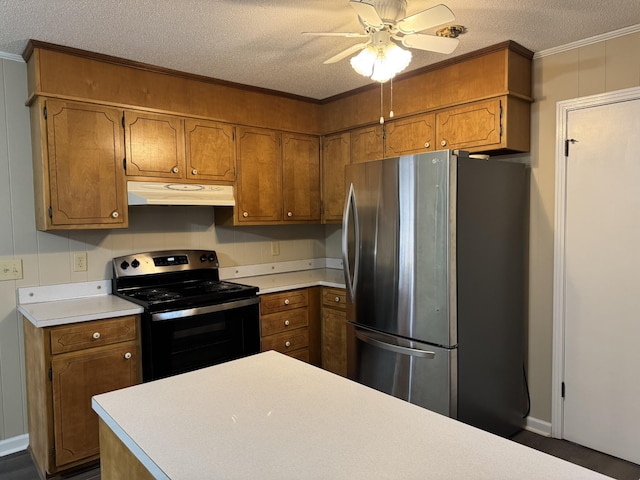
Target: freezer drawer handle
pixel 414 352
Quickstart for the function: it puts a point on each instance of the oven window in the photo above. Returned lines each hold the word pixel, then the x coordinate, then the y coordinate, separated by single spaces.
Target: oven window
pixel 180 345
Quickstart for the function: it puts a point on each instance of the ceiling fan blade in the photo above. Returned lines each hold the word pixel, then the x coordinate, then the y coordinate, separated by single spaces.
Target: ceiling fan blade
pixel 430 43
pixel 336 34
pixel 426 19
pixel 367 13
pixel 345 53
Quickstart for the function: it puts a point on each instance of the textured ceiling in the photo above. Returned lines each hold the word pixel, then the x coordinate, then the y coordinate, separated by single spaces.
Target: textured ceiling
pixel 259 42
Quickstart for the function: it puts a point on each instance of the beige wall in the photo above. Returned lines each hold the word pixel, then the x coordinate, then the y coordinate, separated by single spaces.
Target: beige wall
pixel 47 257
pixel 604 66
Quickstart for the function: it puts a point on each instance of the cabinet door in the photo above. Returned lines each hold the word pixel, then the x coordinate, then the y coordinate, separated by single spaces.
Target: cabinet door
pixel 76 377
pixel 474 125
pixel 259 176
pixel 211 150
pixel 335 156
pixel 87 185
pixel 409 135
pixel 367 144
pixel 334 341
pixel 155 145
pixel 300 177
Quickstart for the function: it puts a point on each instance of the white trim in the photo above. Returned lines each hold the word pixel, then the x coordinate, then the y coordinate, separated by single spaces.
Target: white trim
pixel 14 444
pixel 562 112
pixel 538 426
pixel 11 56
pixel 63 291
pixel 587 41
pixel 242 271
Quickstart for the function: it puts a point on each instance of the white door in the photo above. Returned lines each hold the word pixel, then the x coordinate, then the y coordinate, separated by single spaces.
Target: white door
pixel 601 407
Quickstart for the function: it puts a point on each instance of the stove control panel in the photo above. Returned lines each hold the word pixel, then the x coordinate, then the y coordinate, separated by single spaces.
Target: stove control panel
pixel 163 262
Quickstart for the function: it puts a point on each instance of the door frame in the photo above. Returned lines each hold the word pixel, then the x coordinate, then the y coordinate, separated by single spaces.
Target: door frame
pixel 559 273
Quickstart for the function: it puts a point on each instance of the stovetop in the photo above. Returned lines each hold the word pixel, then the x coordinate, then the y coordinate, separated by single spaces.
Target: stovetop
pixel 174 279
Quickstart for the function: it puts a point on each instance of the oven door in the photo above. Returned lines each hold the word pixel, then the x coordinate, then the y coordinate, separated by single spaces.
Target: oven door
pixel 179 341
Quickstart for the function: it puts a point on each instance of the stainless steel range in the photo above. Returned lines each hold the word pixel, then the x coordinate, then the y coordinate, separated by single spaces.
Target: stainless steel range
pixel 191 318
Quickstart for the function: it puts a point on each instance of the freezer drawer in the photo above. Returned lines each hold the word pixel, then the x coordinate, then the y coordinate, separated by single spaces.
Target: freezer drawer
pixel 419 373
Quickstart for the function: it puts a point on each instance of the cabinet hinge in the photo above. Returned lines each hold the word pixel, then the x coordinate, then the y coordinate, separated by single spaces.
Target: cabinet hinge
pixel 566 145
pixel 562 390
pixel 50 374
pixel 122 120
pixel 233 134
pixel 124 164
pixel 44 112
pixel 53 454
pixel 500 119
pixel 50 212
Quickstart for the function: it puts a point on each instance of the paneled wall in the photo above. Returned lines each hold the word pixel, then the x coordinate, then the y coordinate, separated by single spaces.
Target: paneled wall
pixel 48 257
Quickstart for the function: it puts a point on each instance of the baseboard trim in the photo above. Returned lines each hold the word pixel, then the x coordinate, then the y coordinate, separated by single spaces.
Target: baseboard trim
pixel 538 426
pixel 14 444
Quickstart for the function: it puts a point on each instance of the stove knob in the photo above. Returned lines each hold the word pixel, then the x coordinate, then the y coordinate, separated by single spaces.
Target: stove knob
pixel 135 264
pixel 212 257
pixel 124 265
pixel 203 258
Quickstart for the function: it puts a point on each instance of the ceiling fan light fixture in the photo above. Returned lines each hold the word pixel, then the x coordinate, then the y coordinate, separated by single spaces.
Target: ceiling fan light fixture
pixel 381 63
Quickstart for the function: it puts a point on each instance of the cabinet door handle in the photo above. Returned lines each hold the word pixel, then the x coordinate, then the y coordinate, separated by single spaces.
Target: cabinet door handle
pixel 245 214
pixel 286 323
pixel 175 170
pixel 286 301
pixel 427 144
pixel 194 171
pixel 115 214
pixel 127 355
pixel 287 344
pixel 96 335
pixel 443 143
pixel 289 214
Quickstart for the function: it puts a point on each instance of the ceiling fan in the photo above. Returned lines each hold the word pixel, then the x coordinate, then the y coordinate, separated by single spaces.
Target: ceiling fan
pixel 385 21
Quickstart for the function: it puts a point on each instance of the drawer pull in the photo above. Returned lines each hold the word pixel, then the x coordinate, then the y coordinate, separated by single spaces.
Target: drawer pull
pixel 96 335
pixel 337 299
pixel 286 301
pixel 287 344
pixel 127 355
pixel 286 323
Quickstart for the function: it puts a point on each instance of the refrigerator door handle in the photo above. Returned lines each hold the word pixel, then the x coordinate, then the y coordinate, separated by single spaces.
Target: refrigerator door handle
pixel 371 339
pixel 350 217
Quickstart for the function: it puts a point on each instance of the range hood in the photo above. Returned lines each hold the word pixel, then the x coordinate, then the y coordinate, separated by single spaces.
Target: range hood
pixel 156 193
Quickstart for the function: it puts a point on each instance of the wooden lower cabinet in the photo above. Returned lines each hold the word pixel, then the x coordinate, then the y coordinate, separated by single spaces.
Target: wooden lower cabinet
pixel 334 330
pixel 289 323
pixel 65 366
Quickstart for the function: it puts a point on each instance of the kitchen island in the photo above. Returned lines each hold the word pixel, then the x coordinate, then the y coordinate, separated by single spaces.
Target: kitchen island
pixel 269 416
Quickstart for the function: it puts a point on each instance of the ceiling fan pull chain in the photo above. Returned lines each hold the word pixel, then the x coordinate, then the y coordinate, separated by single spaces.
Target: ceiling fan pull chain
pixel 391 99
pixel 381 106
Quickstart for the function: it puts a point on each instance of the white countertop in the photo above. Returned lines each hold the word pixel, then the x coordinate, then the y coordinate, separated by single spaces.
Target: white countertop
pixel 51 305
pixel 269 416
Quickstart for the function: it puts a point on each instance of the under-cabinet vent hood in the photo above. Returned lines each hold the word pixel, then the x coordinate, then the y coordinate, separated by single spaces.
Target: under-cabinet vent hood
pixel 155 193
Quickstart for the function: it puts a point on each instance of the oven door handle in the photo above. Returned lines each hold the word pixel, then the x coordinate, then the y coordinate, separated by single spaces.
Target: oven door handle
pixel 190 312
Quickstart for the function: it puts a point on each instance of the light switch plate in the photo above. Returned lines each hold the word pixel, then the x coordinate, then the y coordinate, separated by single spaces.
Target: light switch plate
pixel 11 269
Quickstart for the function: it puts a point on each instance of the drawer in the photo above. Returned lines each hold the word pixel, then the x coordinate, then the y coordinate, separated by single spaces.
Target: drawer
pixel 278 302
pixel 334 298
pixel 283 321
pixel 300 355
pixel 79 336
pixel 287 342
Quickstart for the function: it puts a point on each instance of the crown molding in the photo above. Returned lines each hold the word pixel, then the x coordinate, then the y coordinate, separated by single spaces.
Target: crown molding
pixel 588 41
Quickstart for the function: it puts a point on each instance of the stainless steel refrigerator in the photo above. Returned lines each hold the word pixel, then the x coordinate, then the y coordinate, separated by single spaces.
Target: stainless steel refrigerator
pixel 434 257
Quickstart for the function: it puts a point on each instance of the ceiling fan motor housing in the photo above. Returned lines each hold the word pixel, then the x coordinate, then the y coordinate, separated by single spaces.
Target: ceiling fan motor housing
pixel 390 11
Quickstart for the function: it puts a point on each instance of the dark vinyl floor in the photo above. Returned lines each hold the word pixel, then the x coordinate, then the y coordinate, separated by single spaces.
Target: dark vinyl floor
pixel 19 466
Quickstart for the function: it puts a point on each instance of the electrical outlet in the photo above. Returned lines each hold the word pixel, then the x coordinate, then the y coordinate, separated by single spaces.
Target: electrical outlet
pixel 80 262
pixel 275 248
pixel 11 269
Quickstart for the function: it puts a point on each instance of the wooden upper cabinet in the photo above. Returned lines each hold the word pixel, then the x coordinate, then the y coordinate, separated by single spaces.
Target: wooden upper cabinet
pixel 155 145
pixel 211 150
pixel 79 175
pixel 367 144
pixel 300 177
pixel 335 156
pixel 473 126
pixel 259 178
pixel 410 135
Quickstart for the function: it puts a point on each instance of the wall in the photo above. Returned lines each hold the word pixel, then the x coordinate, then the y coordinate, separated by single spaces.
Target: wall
pixel 48 257
pixel 610 63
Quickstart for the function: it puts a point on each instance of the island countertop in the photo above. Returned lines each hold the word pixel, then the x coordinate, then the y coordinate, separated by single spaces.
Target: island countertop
pixel 270 416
